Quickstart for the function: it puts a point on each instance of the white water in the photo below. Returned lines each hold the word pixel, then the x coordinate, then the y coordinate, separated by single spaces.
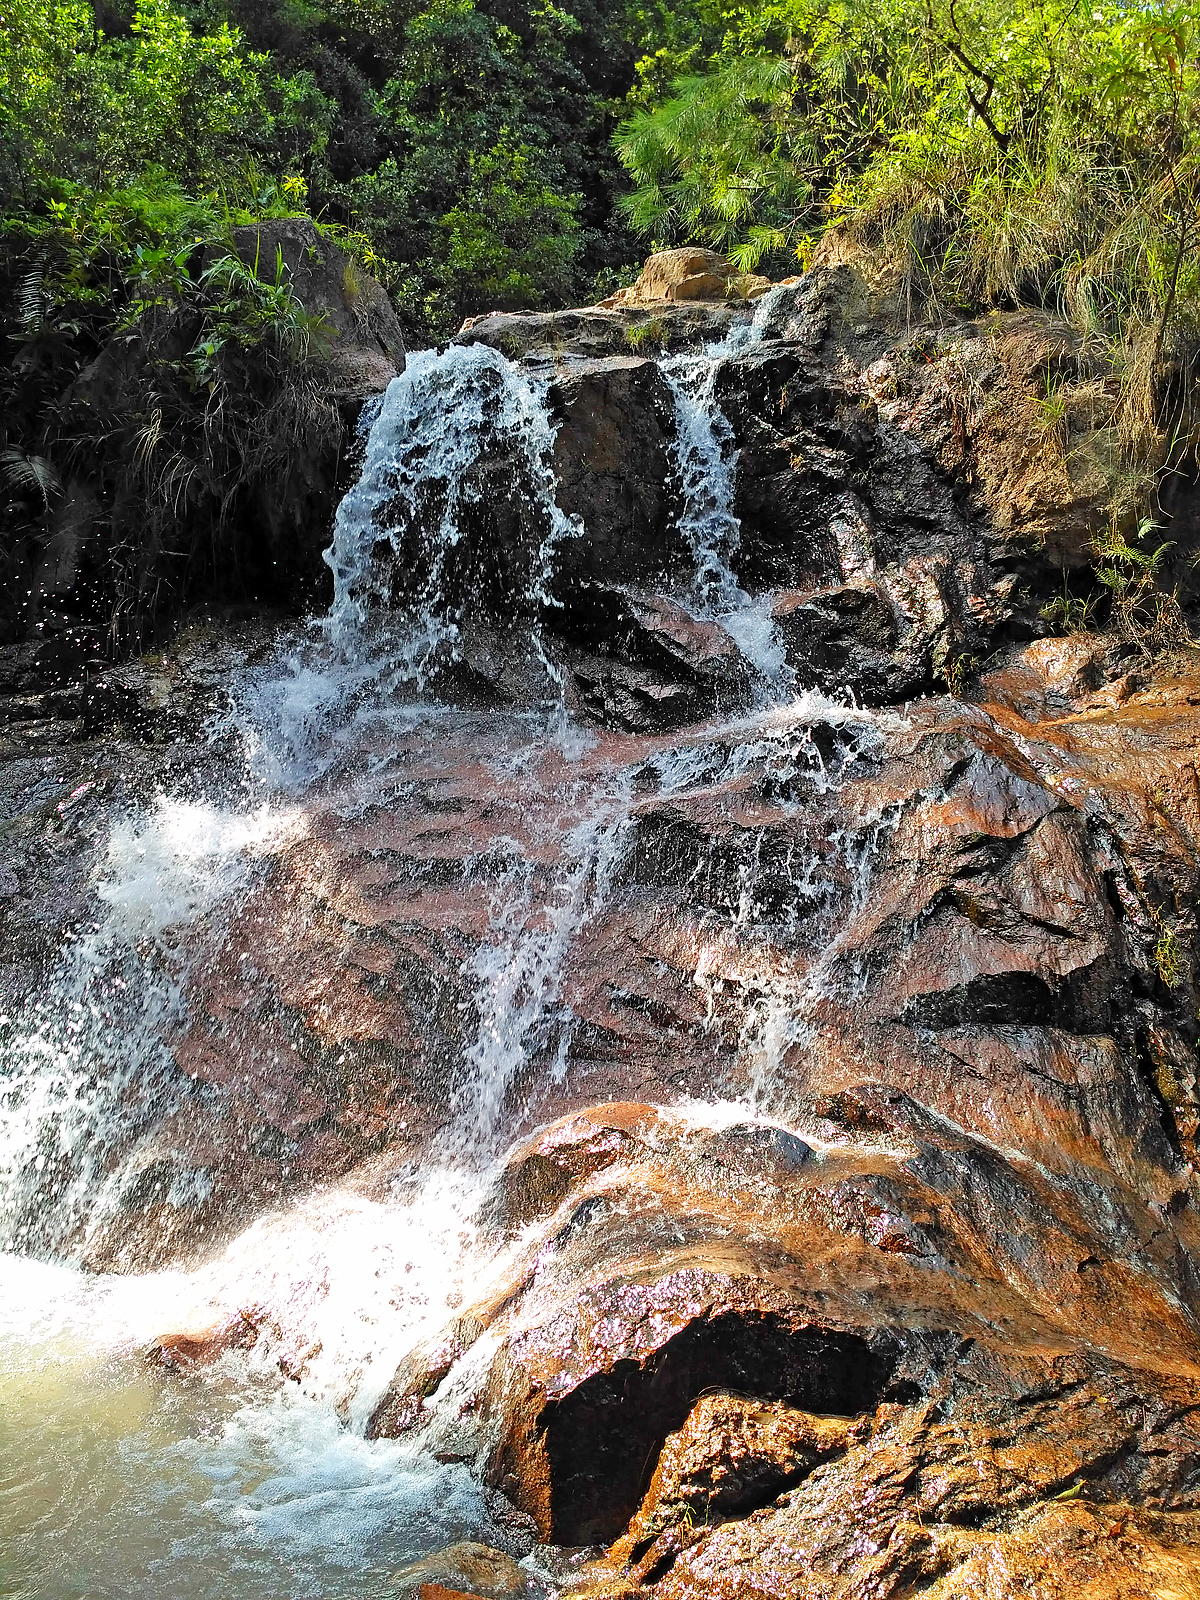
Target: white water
pixel 89 1063
pixel 234 1481
pixel 706 463
pixel 445 417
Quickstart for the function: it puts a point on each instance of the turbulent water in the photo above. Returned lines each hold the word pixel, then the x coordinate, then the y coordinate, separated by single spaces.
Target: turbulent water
pixel 116 1480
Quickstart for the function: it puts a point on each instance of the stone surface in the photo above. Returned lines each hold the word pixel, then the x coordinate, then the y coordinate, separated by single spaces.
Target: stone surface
pixel 688 274
pixel 359 348
pixel 548 338
pixel 466 1567
pixel 852 1205
pixel 731 1456
pixel 274 527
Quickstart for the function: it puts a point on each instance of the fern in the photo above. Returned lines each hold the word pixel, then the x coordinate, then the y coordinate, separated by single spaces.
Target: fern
pixel 29 475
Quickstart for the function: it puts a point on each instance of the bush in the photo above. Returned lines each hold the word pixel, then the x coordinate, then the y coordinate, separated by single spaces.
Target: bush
pixel 993 155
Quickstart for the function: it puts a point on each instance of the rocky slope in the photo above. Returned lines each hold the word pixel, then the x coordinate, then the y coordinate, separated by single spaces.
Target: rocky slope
pixel 927 1316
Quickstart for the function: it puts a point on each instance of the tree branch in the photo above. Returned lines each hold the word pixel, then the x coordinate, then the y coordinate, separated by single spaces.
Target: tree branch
pixel 1001 139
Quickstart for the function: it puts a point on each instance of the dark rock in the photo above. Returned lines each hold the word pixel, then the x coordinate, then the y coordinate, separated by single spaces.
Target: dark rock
pixel 273 527
pixel 755 1150
pixel 611 461
pixel 847 638
pixel 655 665
pixel 359 347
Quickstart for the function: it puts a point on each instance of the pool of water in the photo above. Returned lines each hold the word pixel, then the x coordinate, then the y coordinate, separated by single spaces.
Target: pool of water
pixel 118 1479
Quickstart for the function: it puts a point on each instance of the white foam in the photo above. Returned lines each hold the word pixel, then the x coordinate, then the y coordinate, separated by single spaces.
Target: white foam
pixel 87 1063
pixel 706 464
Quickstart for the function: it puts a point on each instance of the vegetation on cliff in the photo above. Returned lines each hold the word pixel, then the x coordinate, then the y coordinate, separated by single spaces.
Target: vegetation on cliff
pixel 474 154
pixel 998 153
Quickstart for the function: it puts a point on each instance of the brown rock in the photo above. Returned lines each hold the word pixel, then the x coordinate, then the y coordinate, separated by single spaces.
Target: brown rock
pixel 463 1568
pixel 360 345
pixel 688 274
pixel 198 1346
pixel 731 1456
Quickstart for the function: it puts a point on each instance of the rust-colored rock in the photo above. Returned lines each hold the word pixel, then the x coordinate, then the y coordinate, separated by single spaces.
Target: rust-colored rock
pixel 466 1568
pixel 850 1216
pixel 731 1456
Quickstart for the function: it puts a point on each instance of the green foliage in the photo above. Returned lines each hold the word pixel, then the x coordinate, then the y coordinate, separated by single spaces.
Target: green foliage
pixel 80 106
pixel 511 236
pixel 1142 612
pixel 650 333
pixel 1168 957
pixel 710 160
pixel 1068 612
pixel 990 153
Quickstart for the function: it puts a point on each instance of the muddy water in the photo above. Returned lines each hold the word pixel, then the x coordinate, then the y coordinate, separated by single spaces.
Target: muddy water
pixel 121 1478
pixel 117 1481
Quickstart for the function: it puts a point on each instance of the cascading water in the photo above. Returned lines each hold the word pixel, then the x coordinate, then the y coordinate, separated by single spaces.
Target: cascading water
pixel 440 424
pixel 241 1473
pixel 705 460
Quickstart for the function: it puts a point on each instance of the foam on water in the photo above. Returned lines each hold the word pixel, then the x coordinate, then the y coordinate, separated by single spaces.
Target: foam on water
pixel 87 1062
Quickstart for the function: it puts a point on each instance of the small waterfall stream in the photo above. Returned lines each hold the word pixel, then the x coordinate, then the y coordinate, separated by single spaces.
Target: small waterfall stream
pixel 231 1479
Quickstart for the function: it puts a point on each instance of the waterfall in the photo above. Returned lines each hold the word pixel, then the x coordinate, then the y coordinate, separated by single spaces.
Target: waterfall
pixel 447 416
pixel 342 1283
pixel 89 1067
pixel 91 1064
pixel 705 460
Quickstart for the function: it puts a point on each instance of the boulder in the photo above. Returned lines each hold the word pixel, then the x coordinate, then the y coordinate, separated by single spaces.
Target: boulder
pixel 358 347
pixel 847 638
pixel 688 274
pixel 652 664
pixel 611 460
pixel 463 1568
pixel 731 1456
pixel 272 521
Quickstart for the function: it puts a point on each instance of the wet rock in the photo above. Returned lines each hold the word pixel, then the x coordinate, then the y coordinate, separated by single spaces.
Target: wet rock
pixel 847 638
pixel 848 1523
pixel 548 338
pixel 654 665
pixel 755 1150
pixel 611 460
pixel 942 1316
pixel 579 1461
pixel 731 1456
pixel 535 1180
pixel 186 1348
pixel 466 1567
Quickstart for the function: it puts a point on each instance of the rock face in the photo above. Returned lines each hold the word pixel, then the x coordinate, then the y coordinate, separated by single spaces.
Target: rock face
pixel 359 347
pixel 843 1050
pixel 245 513
pixel 688 274
pixel 898 490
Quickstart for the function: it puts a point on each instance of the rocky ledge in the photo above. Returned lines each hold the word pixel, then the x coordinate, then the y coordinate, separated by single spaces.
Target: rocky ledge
pixel 928 1319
